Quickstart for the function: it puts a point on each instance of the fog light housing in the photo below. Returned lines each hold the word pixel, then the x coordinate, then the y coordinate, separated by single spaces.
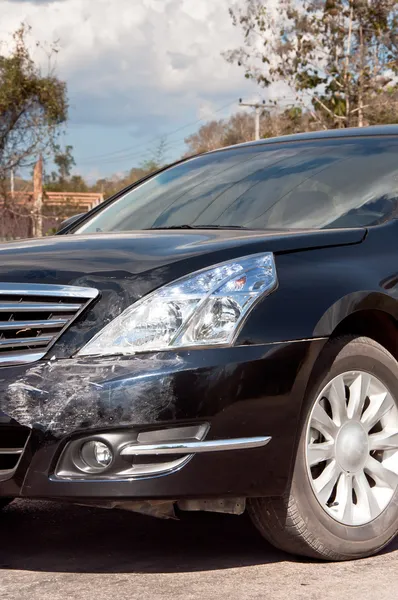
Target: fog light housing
pixel 97 455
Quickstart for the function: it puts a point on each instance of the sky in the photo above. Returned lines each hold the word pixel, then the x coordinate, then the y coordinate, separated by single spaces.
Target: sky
pixel 137 71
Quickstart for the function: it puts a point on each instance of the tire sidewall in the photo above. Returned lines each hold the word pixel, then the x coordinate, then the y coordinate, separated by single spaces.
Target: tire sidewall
pixel 357 355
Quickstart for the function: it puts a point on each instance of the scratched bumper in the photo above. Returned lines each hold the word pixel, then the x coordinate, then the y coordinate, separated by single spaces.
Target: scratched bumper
pixel 241 392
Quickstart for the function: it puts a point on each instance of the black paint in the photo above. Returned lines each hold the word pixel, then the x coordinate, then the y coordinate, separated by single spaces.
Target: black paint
pixel 254 388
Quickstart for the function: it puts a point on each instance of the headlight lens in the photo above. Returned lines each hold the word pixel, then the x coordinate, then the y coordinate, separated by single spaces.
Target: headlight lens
pixel 204 308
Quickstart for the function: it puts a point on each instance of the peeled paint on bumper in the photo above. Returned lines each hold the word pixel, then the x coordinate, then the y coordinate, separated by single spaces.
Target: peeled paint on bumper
pixel 62 396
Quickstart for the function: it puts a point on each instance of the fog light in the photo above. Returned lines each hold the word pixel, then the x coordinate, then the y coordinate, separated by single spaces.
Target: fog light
pixel 96 455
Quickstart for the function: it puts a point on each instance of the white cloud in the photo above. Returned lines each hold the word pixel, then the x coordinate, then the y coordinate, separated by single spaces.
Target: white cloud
pixel 137 70
pixel 137 61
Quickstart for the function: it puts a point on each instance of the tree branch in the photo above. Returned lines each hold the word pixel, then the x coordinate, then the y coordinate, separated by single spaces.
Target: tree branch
pixel 328 110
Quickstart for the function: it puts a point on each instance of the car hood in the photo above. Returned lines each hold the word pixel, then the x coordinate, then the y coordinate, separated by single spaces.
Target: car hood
pixel 125 267
pixel 64 258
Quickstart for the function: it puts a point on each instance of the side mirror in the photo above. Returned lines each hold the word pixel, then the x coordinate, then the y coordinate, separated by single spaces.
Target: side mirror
pixel 69 221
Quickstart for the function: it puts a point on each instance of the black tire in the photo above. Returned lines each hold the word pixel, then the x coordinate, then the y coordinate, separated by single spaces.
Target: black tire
pixel 5 502
pixel 296 522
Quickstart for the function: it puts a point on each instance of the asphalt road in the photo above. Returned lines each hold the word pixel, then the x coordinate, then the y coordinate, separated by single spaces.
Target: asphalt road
pixel 53 552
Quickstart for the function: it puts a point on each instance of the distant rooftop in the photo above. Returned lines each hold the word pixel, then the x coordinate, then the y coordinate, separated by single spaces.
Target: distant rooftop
pixel 83 200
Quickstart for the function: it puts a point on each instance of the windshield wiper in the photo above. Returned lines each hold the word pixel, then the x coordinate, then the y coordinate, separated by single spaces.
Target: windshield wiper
pixel 198 227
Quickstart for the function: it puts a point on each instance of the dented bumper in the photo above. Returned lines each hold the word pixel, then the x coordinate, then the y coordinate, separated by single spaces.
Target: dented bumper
pixel 241 392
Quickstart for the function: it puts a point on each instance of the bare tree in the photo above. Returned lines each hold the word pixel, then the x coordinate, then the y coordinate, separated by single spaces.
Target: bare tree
pixel 239 128
pixel 338 56
pixel 209 137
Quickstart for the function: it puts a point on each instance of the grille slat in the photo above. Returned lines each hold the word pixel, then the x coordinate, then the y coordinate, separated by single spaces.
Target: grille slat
pixel 19 307
pixel 42 289
pixel 25 325
pixel 27 310
pixel 40 340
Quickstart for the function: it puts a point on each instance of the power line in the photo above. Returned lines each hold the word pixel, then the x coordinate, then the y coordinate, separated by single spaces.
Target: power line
pixel 258 108
pixel 138 150
pixel 128 153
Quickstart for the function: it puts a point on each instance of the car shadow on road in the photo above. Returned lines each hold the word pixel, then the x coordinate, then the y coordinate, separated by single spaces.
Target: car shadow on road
pixel 52 537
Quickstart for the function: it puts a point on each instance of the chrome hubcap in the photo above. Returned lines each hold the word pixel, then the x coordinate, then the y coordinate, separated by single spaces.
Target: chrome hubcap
pixel 352 448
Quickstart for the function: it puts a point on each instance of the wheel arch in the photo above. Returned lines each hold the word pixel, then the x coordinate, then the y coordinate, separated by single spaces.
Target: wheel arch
pixel 379 325
pixel 357 313
pixel 375 316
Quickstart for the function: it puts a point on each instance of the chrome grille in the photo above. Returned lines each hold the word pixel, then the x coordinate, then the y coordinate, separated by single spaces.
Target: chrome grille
pixel 13 439
pixel 33 316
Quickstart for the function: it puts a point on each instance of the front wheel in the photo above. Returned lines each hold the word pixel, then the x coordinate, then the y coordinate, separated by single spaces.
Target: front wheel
pixel 342 502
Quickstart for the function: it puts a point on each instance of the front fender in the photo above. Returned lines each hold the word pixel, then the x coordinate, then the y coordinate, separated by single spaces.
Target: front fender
pixel 318 288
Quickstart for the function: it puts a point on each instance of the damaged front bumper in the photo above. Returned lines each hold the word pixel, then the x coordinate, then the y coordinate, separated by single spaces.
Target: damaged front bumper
pixel 201 419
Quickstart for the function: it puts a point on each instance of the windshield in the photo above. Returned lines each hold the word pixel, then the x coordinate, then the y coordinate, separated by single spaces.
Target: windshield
pixel 349 182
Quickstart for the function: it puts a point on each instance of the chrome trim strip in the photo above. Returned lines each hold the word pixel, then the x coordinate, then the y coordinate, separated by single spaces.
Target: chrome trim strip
pixel 45 324
pixel 28 341
pixel 6 474
pixel 37 307
pixel 195 447
pixel 21 358
pixel 129 474
pixel 11 450
pixel 43 289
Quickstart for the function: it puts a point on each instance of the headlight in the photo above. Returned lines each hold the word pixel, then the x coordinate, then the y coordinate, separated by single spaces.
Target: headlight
pixel 204 308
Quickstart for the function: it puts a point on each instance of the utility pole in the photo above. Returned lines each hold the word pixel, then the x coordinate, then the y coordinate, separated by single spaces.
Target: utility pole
pixel 37 215
pixel 12 185
pixel 258 107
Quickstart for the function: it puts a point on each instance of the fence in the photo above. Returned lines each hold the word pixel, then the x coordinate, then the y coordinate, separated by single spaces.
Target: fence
pixel 16 211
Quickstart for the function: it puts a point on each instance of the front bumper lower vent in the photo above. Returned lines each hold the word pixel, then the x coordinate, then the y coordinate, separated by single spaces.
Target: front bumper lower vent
pixel 33 316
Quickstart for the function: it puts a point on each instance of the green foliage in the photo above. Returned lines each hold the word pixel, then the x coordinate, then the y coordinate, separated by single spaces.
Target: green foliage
pixel 64 161
pixel 62 180
pixel 33 106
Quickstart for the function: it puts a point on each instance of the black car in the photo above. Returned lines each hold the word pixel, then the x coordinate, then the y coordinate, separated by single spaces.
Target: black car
pixel 221 335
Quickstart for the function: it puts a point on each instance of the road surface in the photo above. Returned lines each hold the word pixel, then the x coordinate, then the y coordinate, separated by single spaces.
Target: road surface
pixel 50 551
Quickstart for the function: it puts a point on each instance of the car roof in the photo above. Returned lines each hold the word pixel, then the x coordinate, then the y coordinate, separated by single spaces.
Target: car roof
pixel 373 131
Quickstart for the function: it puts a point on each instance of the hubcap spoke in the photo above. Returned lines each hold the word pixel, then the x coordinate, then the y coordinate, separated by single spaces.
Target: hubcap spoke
pixel 318 453
pixel 325 483
pixel 366 500
pixel 323 423
pixel 337 399
pixel 344 501
pixel 359 390
pixel 380 405
pixel 383 441
pixel 382 476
